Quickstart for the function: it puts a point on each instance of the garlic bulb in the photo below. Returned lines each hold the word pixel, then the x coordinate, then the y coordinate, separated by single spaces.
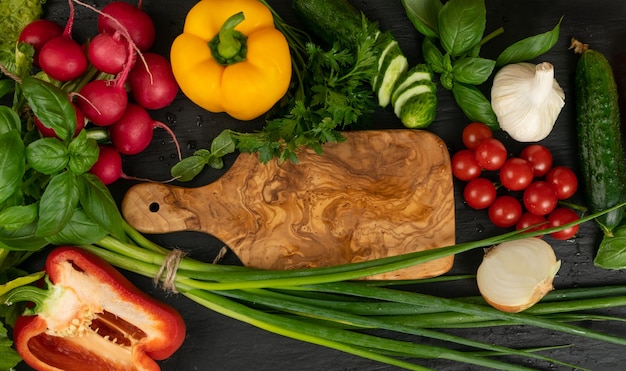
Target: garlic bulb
pixel 527 100
pixel 515 275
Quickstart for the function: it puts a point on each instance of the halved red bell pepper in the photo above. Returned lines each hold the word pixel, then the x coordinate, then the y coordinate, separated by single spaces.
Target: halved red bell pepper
pixel 92 318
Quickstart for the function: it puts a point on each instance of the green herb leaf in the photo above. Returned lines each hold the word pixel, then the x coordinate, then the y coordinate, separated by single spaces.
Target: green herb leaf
pixel 530 47
pixel 9 120
pixel 8 357
pixel 461 25
pixel 57 203
pixel 223 144
pixel 83 153
pixel 99 205
pixel 432 55
pixel 611 253
pixel 12 163
pixel 47 155
pixel 80 229
pixel 188 168
pixel 15 217
pixel 20 281
pixel 474 104
pixel 423 14
pixel 473 71
pixel 22 239
pixel 51 105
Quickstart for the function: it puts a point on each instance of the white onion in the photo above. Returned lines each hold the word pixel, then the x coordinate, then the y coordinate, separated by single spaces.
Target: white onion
pixel 515 275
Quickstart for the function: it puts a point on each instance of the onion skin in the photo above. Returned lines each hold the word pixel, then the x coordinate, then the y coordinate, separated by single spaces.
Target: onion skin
pixel 515 275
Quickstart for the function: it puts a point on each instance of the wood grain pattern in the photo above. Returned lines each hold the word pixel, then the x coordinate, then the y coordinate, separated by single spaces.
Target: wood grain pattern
pixel 379 193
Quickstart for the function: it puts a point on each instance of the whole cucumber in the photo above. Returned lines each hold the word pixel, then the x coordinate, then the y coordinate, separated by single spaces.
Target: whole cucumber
pixel 599 137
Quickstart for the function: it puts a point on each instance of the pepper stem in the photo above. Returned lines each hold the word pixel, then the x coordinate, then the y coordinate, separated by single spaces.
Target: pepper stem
pixel 229 45
pixel 31 294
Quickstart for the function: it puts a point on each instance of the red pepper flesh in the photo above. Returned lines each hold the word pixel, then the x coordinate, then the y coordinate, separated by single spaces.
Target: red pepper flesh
pixel 95 319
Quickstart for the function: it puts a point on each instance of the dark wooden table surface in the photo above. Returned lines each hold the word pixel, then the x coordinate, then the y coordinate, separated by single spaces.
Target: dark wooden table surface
pixel 215 342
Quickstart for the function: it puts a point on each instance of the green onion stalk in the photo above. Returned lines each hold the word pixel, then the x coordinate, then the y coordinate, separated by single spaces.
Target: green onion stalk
pixel 330 306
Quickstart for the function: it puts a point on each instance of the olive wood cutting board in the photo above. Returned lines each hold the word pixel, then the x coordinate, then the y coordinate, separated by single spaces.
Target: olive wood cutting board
pixel 379 193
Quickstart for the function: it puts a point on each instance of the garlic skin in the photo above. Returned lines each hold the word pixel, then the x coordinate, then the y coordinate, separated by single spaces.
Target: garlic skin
pixel 515 275
pixel 527 100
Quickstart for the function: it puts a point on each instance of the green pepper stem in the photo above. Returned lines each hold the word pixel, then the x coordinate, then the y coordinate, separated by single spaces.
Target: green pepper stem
pixel 229 45
pixel 29 293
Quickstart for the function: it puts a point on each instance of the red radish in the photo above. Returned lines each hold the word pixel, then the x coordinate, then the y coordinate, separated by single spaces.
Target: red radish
pixel 133 132
pixel 154 87
pixel 63 59
pixel 39 32
pixel 108 167
pixel 49 133
pixel 102 101
pixel 109 52
pixel 138 23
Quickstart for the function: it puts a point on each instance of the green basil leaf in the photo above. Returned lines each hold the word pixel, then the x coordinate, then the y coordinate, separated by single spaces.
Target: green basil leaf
pixel 189 167
pixel 9 120
pixel 81 229
pixel 432 55
pixel 12 163
pixel 6 87
pixel 611 253
pixel 473 71
pixel 83 153
pixel 423 14
pixel 57 204
pixel 474 104
pixel 9 358
pixel 461 25
pixel 216 162
pixel 23 239
pixel 99 205
pixel 223 144
pixel 15 217
pixel 530 47
pixel 47 155
pixel 51 105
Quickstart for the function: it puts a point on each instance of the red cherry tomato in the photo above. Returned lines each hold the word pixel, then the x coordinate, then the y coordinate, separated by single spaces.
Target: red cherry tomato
pixel 563 180
pixel 474 133
pixel 464 165
pixel 479 193
pixel 529 219
pixel 490 154
pixel 560 216
pixel 540 198
pixel 516 174
pixel 539 157
pixel 505 211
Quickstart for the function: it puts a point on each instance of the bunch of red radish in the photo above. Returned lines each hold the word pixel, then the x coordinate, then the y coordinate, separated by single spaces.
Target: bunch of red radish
pixel 114 79
pixel 543 187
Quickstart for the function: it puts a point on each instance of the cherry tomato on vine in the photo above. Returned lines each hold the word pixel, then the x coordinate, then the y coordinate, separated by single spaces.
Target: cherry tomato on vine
pixel 474 133
pixel 529 219
pixel 516 174
pixel 563 180
pixel 540 198
pixel 505 211
pixel 539 157
pixel 560 216
pixel 479 193
pixel 464 165
pixel 490 154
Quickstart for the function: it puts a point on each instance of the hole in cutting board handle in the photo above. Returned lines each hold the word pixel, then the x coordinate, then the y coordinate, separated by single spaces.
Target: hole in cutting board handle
pixel 154 207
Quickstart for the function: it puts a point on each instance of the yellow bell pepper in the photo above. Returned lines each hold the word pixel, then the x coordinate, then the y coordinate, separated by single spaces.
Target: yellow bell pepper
pixel 231 58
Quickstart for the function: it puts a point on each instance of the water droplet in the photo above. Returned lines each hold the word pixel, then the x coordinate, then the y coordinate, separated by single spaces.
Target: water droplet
pixel 161 158
pixel 192 144
pixel 199 121
pixel 479 228
pixel 173 155
pixel 171 118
